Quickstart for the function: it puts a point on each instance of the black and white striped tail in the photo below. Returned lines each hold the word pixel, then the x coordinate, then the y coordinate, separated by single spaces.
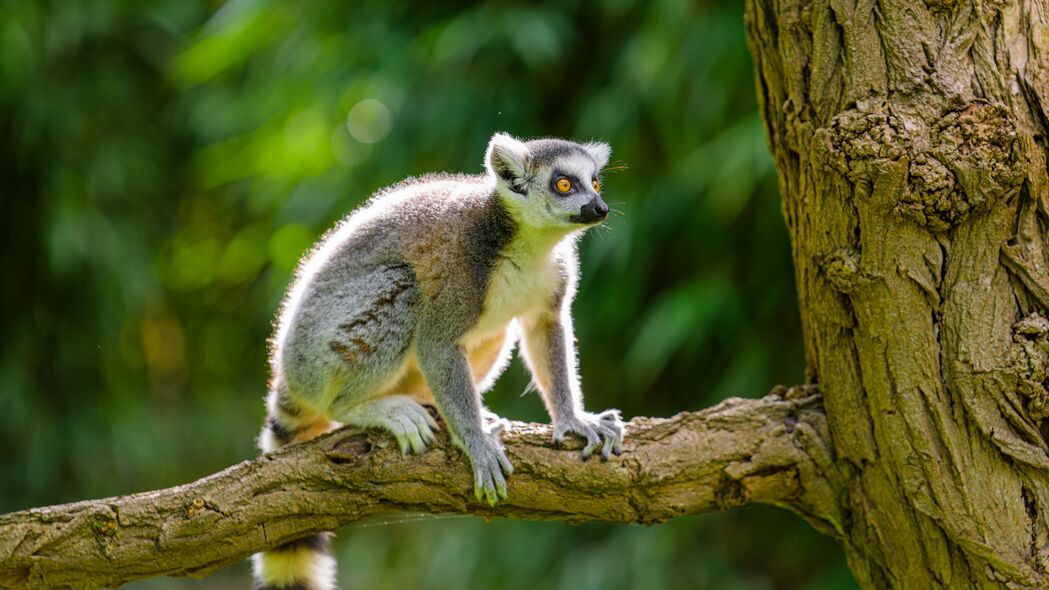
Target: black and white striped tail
pixel 304 564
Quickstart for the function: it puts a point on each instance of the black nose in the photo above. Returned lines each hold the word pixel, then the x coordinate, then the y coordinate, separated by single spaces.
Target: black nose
pixel 601 209
pixel 592 212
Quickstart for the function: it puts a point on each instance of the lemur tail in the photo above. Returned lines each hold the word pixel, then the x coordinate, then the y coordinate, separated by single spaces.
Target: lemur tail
pixel 303 564
pixel 306 563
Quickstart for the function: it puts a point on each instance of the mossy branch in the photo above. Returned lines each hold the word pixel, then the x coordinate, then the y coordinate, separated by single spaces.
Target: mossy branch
pixel 771 450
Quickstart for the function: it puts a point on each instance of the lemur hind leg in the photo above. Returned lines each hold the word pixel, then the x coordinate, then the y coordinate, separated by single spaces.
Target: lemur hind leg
pixel 351 339
pixel 369 350
pixel 287 422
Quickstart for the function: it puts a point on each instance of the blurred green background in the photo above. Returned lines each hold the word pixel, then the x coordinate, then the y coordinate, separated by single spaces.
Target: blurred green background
pixel 164 164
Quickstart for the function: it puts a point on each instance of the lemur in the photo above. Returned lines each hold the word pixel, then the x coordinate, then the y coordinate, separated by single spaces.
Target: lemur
pixel 419 297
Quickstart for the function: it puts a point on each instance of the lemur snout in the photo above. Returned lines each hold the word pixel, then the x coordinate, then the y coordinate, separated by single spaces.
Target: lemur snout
pixel 594 211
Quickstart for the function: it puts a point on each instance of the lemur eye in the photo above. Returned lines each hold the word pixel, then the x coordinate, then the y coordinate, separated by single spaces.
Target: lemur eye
pixel 596 184
pixel 563 184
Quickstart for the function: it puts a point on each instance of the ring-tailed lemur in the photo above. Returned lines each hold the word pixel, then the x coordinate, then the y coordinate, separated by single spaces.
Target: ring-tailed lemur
pixel 418 298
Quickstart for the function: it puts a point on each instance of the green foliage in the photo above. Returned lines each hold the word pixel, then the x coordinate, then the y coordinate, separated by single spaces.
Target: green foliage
pixel 166 163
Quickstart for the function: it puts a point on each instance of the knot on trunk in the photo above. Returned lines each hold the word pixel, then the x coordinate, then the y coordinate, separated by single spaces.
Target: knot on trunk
pixel 1031 336
pixel 350 449
pixel 960 159
pixel 842 268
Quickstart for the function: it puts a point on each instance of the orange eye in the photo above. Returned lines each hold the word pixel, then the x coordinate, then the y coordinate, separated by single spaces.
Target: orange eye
pixel 596 185
pixel 563 185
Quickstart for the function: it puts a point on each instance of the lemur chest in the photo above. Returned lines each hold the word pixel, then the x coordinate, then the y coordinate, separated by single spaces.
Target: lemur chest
pixel 517 285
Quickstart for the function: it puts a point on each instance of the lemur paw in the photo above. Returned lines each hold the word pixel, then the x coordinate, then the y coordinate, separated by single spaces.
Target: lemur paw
pixel 493 422
pixel 605 429
pixel 401 416
pixel 491 467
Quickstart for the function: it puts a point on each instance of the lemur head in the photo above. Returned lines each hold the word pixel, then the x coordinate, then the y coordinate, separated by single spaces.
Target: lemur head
pixel 549 183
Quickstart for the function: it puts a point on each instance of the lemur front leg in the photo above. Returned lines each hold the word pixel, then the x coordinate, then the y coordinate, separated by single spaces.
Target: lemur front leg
pixel 549 351
pixel 447 372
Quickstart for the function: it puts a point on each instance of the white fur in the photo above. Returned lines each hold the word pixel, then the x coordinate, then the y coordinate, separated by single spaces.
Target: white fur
pixel 284 568
pixel 525 280
pixel 599 151
pixel 266 440
pixel 507 149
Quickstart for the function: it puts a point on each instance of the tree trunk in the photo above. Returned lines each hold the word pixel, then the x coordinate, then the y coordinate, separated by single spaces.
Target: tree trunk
pixel 910 140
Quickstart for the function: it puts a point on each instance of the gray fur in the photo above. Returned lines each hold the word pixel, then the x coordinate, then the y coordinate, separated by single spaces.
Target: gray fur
pixel 411 300
pixel 546 152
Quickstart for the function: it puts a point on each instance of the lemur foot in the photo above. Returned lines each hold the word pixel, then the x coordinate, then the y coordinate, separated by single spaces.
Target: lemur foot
pixel 401 416
pixel 605 429
pixel 491 467
pixel 492 421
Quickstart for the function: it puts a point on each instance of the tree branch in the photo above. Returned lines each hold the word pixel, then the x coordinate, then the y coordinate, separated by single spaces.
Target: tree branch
pixel 771 450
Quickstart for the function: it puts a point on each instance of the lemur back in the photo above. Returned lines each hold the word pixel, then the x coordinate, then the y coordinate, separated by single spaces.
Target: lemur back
pixel 418 299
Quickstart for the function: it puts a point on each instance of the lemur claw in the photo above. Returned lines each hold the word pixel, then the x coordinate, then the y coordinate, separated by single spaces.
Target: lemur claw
pixel 491 466
pixel 605 430
pixel 409 423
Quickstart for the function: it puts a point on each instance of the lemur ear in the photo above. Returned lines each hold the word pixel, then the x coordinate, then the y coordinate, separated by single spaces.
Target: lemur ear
pixel 599 151
pixel 507 159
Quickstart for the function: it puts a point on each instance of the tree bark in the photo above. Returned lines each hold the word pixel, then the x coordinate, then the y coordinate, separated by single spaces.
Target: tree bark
pixel 773 450
pixel 910 140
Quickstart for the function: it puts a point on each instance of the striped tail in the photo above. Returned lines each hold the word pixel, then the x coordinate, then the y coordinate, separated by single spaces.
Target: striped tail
pixel 307 563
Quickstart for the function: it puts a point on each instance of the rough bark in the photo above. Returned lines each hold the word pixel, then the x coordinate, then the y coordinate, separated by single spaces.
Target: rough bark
pixel 910 140
pixel 771 450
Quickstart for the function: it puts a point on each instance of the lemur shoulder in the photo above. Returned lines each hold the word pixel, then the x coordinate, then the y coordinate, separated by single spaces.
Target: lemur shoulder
pixel 418 298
